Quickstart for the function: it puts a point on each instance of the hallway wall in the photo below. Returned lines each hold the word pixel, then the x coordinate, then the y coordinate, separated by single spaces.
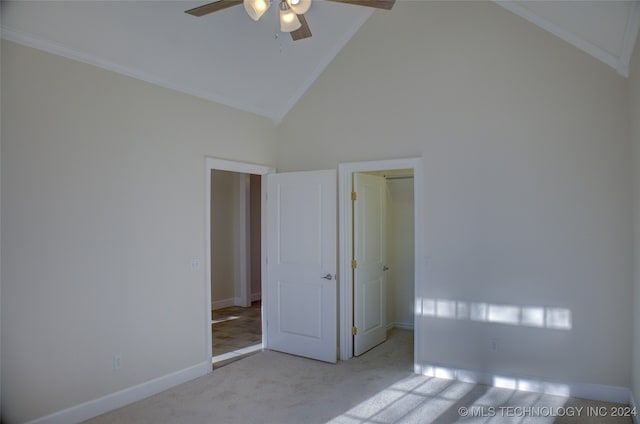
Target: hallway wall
pixel 225 237
pixel 256 235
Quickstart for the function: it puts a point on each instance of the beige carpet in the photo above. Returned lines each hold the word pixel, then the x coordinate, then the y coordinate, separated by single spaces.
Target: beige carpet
pixel 378 387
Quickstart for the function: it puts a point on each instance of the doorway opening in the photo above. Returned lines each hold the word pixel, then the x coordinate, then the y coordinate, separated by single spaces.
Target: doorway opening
pixel 234 260
pixel 236 321
pixel 386 296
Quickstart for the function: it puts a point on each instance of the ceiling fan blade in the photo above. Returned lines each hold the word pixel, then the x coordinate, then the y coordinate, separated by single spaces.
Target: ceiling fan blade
pixel 212 7
pixel 303 31
pixel 378 4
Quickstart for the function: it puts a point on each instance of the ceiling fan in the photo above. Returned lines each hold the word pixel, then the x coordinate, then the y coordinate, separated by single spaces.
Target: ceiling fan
pixel 292 12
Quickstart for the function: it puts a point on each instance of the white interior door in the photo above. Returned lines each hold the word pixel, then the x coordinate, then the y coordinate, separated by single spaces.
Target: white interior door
pixel 369 276
pixel 301 307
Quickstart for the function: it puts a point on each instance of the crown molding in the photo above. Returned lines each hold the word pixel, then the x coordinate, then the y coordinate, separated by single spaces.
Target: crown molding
pixel 276 115
pixel 619 63
pixel 35 42
pixel 629 41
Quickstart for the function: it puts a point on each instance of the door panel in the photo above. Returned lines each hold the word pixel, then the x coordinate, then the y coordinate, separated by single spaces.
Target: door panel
pixel 299 222
pixel 296 302
pixel 369 243
pixel 301 306
pixel 372 317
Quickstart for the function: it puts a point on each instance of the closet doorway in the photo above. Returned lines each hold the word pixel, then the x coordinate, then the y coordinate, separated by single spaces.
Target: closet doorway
pixel 403 182
pixel 383 255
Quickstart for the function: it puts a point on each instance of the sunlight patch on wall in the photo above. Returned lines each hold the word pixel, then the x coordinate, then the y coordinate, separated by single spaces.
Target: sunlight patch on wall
pixel 529 316
pixel 503 382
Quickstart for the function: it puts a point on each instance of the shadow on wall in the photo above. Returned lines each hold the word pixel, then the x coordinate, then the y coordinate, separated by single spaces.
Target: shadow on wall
pixel 529 316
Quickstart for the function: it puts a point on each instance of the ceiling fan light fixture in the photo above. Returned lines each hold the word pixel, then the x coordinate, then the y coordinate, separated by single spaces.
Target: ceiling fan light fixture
pixel 256 8
pixel 288 20
pixel 300 7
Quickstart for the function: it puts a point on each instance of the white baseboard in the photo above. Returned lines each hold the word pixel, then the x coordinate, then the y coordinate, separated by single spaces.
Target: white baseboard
pixel 112 401
pixel 233 301
pixel 581 390
pixel 224 303
pixel 403 325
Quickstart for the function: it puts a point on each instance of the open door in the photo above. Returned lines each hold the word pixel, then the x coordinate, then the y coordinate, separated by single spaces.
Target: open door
pixel 369 253
pixel 301 307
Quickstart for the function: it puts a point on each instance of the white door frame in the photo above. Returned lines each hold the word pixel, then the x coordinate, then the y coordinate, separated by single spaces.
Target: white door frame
pixel 345 171
pixel 246 168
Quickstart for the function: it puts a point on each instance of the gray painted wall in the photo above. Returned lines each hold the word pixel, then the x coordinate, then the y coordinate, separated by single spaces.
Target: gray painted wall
pixel 527 186
pixel 103 191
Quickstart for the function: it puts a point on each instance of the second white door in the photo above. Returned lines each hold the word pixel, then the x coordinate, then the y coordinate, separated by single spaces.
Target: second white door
pixel 369 276
pixel 301 308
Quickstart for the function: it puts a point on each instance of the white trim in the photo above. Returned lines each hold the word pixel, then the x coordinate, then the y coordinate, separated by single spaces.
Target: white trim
pixel 591 391
pixel 322 65
pixel 35 42
pixel 264 261
pixel 243 167
pixel 224 303
pixel 93 408
pixel 233 301
pixel 345 170
pixel 276 114
pixel 402 325
pixel 629 40
pixel 234 166
pixel 236 353
pixel 571 38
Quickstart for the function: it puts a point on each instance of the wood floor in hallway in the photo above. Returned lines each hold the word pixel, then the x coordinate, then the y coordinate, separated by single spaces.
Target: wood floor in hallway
pixel 235 329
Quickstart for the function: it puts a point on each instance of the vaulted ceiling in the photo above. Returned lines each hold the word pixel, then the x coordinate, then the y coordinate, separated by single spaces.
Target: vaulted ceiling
pixel 227 58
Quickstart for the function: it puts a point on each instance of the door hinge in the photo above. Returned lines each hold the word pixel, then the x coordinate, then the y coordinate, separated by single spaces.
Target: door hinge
pixel 354 331
pixel 354 264
pixel 354 196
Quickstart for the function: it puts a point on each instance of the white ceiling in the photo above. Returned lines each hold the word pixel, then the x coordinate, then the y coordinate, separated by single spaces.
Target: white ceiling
pixel 224 57
pixel 227 58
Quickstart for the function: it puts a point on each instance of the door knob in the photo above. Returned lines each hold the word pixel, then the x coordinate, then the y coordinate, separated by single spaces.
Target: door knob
pixel 385 268
pixel 327 277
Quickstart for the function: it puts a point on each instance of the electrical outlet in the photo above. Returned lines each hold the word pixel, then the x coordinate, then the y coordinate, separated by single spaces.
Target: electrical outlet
pixel 117 362
pixel 493 345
